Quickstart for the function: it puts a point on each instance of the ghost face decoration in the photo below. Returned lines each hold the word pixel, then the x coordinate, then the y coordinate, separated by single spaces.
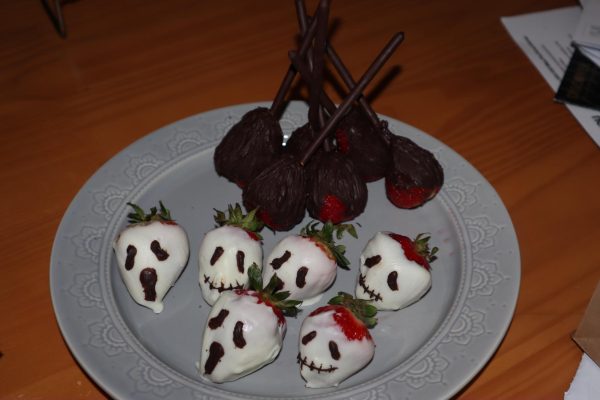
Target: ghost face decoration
pixel 241 336
pixel 326 355
pixel 225 255
pixel 303 267
pixel 388 277
pixel 151 256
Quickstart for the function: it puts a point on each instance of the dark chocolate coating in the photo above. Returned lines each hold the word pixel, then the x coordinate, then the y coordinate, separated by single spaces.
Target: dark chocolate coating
pixel 279 192
pixel 148 279
pixel 413 166
pixel 363 143
pixel 300 140
pixel 249 147
pixel 332 174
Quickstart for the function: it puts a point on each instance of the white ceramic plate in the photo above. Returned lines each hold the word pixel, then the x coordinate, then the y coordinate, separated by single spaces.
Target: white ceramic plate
pixel 426 351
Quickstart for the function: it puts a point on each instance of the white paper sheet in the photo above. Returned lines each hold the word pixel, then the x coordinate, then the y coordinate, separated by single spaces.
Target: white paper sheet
pixel 545 38
pixel 586 384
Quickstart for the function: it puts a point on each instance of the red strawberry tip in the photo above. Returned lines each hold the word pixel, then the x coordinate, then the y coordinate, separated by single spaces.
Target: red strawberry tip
pixel 343 144
pixel 362 311
pixel 417 249
pixel 410 197
pixel 332 209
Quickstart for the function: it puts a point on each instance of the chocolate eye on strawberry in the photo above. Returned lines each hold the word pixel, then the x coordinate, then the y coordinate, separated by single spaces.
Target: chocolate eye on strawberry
pixel 395 270
pixel 151 253
pixel 306 264
pixel 227 252
pixel 335 342
pixel 245 330
pixel 415 177
pixel 249 147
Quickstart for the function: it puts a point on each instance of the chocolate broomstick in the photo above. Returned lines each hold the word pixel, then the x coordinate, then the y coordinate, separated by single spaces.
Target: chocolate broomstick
pixel 278 191
pixel 255 142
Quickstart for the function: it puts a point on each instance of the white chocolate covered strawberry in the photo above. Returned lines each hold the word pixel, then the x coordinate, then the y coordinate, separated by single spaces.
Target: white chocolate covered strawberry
pixel 394 270
pixel 307 263
pixel 335 342
pixel 151 254
pixel 227 251
pixel 244 330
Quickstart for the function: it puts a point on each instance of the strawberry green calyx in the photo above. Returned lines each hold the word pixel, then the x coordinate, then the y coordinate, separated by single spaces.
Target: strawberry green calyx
pixel 270 294
pixel 362 309
pixel 325 237
pixel 421 243
pixel 140 216
pixel 236 217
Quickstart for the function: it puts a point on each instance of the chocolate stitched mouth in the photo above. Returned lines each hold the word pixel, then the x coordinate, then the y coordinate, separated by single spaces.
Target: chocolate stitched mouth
pixel 312 366
pixel 372 293
pixel 221 288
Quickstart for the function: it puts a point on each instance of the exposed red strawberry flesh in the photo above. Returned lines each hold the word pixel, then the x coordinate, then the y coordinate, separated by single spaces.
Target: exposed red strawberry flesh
pixel 266 218
pixel 322 246
pixel 278 313
pixel 332 209
pixel 253 236
pixel 410 251
pixel 343 144
pixel 409 197
pixel 168 222
pixel 352 327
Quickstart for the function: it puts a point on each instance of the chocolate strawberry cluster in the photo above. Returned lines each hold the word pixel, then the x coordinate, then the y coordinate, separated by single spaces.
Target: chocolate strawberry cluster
pixel 325 165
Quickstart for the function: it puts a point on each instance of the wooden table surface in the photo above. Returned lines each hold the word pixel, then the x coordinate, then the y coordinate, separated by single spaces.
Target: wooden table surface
pixel 130 67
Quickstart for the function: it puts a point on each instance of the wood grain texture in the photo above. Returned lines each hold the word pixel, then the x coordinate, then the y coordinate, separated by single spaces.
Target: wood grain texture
pixel 130 67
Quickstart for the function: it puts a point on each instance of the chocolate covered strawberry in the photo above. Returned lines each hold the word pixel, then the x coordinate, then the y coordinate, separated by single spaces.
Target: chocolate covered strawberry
pixel 395 270
pixel 244 330
pixel 300 140
pixel 361 141
pixel 151 253
pixel 335 342
pixel 415 176
pixel 227 252
pixel 335 190
pixel 279 192
pixel 250 146
pixel 306 264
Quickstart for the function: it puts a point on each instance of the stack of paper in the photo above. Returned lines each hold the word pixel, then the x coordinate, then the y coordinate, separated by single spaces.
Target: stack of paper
pixel 547 40
pixel 587 32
